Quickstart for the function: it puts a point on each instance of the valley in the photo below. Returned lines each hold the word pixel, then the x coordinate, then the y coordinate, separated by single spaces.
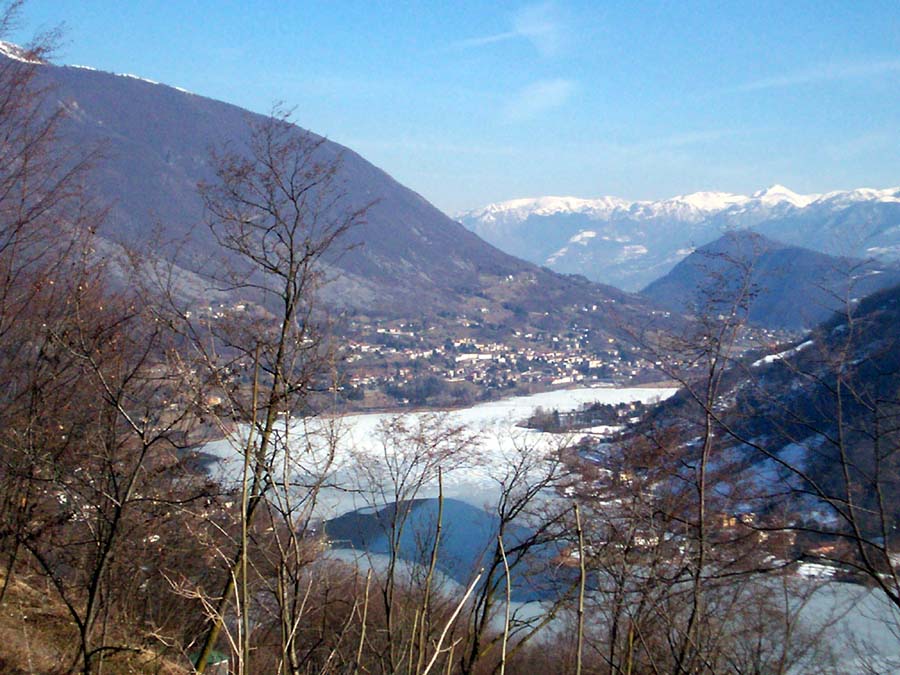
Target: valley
pixel 267 409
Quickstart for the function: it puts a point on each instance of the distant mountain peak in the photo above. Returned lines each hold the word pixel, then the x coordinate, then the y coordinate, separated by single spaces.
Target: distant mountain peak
pixel 794 287
pixel 777 193
pixel 710 200
pixel 773 190
pixel 521 209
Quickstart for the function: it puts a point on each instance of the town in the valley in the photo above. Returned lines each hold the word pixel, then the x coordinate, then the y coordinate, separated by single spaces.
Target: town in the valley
pixel 402 363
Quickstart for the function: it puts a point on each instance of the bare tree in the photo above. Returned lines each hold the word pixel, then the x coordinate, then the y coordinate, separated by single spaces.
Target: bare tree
pixel 742 436
pixel 121 431
pixel 532 522
pixel 42 218
pixel 90 418
pixel 825 423
pixel 411 454
pixel 278 211
pixel 698 361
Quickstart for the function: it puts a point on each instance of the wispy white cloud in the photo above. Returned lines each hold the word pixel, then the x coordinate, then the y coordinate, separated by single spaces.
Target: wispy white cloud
pixel 826 72
pixel 487 39
pixel 539 24
pixel 538 98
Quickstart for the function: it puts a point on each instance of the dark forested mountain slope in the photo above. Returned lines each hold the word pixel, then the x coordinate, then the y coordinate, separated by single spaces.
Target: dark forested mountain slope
pixel 788 286
pixel 156 142
pixel 811 424
pixel 407 259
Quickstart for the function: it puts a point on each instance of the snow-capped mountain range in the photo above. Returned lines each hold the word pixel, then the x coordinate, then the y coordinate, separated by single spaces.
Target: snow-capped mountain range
pixel 631 243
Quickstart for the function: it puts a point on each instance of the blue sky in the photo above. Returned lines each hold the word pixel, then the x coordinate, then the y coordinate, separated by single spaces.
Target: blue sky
pixel 474 102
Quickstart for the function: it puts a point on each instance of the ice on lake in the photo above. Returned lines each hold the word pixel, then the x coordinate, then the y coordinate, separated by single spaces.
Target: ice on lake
pixel 357 441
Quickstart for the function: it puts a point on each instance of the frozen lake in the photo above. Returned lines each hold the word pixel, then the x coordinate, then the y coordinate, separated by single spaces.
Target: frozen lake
pixel 354 451
pixel 854 620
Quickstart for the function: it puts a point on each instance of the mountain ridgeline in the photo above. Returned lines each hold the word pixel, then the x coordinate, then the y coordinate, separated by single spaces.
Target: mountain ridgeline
pixel 157 141
pixel 408 259
pixel 783 286
pixel 631 243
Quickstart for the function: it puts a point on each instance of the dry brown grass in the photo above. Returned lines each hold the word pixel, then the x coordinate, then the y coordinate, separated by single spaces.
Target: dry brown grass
pixel 37 637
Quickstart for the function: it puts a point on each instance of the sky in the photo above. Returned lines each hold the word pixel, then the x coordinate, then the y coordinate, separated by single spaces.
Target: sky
pixel 470 103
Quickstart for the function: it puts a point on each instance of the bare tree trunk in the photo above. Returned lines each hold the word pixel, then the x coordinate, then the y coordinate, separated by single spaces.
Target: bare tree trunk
pixel 582 577
pixel 506 613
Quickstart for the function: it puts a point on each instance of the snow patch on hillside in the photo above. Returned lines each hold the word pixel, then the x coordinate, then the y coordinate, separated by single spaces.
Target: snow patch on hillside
pixel 132 76
pixel 17 53
pixel 772 358
pixel 631 252
pixel 137 77
pixel 583 237
pixel 580 239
